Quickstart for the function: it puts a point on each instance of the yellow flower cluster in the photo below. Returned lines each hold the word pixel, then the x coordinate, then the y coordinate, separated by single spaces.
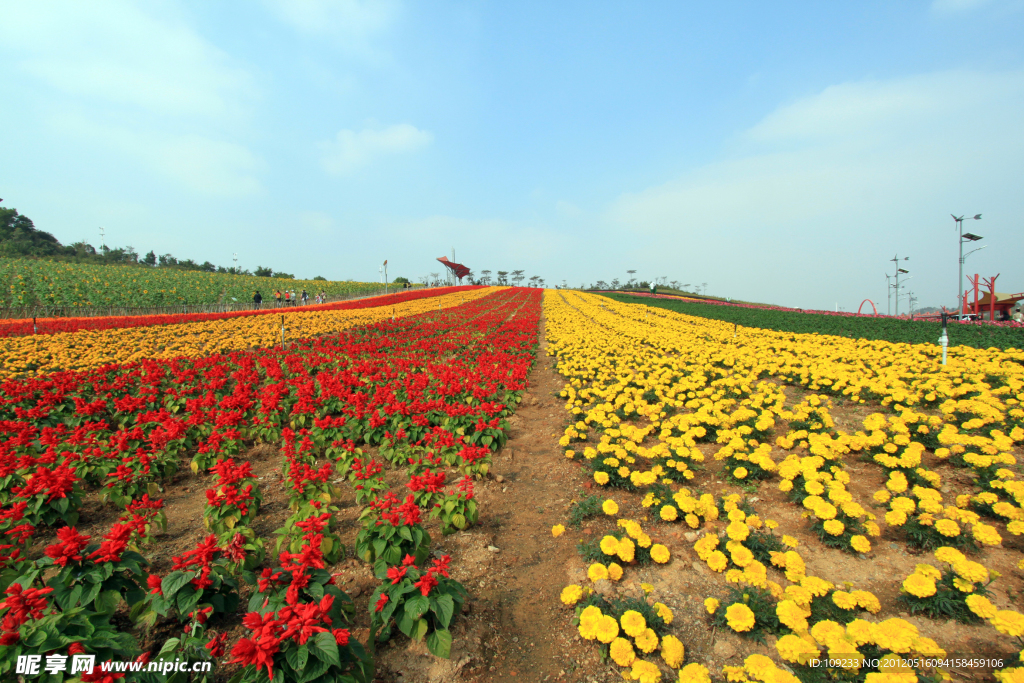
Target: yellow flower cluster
pixel 87 349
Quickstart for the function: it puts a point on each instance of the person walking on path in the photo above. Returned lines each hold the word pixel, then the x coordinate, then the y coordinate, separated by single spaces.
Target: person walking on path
pixel 305 298
pixel 287 297
pixel 257 299
pixel 277 297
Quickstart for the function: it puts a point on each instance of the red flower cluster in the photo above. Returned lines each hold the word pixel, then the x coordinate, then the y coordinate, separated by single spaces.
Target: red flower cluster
pixel 293 622
pixel 21 604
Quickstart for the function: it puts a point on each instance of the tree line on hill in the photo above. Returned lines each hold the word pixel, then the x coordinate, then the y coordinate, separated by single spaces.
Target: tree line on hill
pixel 19 238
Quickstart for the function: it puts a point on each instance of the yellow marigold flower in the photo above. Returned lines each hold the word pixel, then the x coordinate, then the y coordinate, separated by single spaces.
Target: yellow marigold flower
pixel 664 612
pixel 795 649
pixel 589 619
pixel 949 555
pixel 947 527
pixel 873 529
pixel 694 673
pixel 881 496
pixel 791 615
pixel 986 535
pixel 607 629
pixel 621 652
pixel 660 553
pixel 741 555
pixel 647 641
pixel 571 594
pixel 623 472
pixel 737 531
pixel 919 586
pixel 981 606
pixel 834 527
pixel 614 571
pixel 737 515
pixel 626 550
pixel 785 485
pixel 817 586
pixel 844 600
pixel 597 572
pixel 860 632
pixel 962 585
pixel 672 651
pixel 711 605
pixel 570 454
pixel 867 601
pixel 717 561
pixel 610 545
pixel 1008 622
pixel 645 672
pixel 692 521
pixel 610 507
pixel 647 588
pixel 601 478
pixel 557 530
pixel 895 518
pixel 895 635
pixel 790 541
pixel 643 540
pixel 828 633
pixel 633 623
pixel 669 513
pixel 971 571
pixel 771 524
pixel 740 473
pixel 860 543
pixel 928 571
pixel 739 617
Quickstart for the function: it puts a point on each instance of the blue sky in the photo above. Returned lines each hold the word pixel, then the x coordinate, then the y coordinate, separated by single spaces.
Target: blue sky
pixel 779 152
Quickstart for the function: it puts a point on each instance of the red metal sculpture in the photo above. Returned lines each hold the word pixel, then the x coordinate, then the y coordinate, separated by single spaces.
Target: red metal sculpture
pixel 458 270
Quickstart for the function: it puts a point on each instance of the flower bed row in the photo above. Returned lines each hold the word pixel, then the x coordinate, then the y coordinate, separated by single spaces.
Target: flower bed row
pixel 87 348
pixel 431 391
pixel 646 389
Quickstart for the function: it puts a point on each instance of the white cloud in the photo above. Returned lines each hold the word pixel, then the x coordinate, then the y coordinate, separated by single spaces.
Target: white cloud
pixel 819 189
pixel 352 149
pixel 202 164
pixel 114 52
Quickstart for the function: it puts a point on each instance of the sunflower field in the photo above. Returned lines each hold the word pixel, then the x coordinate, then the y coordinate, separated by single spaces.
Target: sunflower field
pixel 31 282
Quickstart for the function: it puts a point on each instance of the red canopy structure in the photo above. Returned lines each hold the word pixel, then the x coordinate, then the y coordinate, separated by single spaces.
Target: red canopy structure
pixel 458 270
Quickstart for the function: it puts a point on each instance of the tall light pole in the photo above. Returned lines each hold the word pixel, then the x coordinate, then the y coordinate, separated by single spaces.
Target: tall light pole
pixel 896 260
pixel 969 237
pixel 888 294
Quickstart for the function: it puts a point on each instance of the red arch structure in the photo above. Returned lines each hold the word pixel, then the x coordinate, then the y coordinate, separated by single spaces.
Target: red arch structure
pixel 867 301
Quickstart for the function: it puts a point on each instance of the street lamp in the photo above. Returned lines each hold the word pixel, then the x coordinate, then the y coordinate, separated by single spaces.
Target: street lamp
pixel 896 260
pixel 968 237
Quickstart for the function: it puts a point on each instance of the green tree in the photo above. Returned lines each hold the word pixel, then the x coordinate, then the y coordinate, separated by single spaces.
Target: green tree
pixel 19 237
pixel 262 271
pixel 150 259
pixel 399 280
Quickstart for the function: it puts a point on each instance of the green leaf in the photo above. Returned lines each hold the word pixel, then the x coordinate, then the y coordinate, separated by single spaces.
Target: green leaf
pixel 444 608
pixel 108 601
pixel 420 630
pixel 327 648
pixel 173 582
pixel 302 657
pixel 416 606
pixel 404 532
pixel 440 643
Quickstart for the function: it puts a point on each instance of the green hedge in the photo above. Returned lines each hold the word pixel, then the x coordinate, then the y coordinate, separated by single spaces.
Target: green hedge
pixel 867 327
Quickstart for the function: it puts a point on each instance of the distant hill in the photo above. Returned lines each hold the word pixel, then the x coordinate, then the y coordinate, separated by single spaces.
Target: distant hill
pixel 19 238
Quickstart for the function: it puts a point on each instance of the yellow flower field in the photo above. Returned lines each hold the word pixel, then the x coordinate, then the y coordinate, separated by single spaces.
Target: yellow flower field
pixel 86 349
pixel 653 395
